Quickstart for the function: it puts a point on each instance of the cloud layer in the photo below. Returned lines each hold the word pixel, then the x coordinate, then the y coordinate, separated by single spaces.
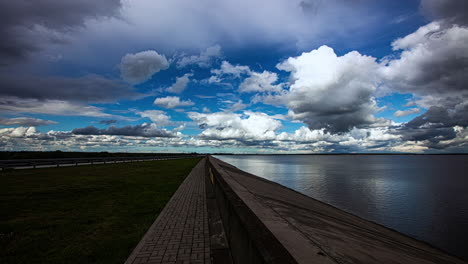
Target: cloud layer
pixel 28 26
pixel 89 88
pixel 25 121
pixel 142 130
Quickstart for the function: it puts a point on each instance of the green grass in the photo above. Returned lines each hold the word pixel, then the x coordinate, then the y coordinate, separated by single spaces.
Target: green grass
pixel 84 214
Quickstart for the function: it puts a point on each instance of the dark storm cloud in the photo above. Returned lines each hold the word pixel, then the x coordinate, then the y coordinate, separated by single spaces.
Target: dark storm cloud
pixel 91 88
pixel 108 122
pixel 451 11
pixel 142 130
pixel 436 125
pixel 27 25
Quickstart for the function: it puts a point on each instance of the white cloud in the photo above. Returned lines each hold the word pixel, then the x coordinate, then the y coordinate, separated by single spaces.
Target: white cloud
pixel 139 67
pixel 260 82
pixel 227 68
pixel 224 130
pixel 331 92
pixel 409 103
pixel 204 60
pixel 17 132
pixel 160 118
pixel 171 102
pixel 411 111
pixel 237 106
pixel 254 81
pixel 180 84
pixel 433 62
pixel 250 127
pixel 417 37
pixel 432 66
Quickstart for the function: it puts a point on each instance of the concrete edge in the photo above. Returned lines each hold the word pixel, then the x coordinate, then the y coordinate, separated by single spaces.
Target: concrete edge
pixel 264 246
pixel 377 225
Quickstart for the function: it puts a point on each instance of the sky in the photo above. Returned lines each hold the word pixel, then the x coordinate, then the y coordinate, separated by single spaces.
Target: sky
pixel 234 76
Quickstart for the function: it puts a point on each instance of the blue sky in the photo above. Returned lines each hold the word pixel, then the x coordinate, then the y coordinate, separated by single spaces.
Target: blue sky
pixel 304 76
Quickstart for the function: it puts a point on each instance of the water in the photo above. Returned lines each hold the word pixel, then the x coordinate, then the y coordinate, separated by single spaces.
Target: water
pixel 425 197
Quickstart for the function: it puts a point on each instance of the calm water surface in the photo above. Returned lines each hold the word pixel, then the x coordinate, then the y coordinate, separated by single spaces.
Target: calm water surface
pixel 425 197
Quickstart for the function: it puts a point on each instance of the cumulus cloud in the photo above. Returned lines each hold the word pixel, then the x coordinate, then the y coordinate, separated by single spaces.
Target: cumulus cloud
pixel 180 84
pixel 258 129
pixel 160 118
pixel 27 138
pixel 204 60
pixel 356 140
pixel 248 127
pixel 25 121
pixel 142 130
pixel 237 106
pixel 139 67
pixel 432 66
pixel 400 113
pixel 17 132
pixel 331 92
pixel 433 61
pixel 27 26
pixel 171 102
pixel 227 68
pixel 231 132
pixel 260 82
pixel 334 95
pixel 233 106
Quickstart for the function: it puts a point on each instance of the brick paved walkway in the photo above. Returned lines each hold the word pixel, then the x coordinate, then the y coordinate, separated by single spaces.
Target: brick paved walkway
pixel 180 233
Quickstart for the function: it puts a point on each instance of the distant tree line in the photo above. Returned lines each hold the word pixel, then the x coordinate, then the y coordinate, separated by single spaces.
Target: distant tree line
pixel 8 155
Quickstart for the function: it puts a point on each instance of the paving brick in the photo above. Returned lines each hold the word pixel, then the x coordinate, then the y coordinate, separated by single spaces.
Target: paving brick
pixel 180 233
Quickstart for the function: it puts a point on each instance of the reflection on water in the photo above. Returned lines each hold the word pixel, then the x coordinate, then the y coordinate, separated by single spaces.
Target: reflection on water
pixel 423 196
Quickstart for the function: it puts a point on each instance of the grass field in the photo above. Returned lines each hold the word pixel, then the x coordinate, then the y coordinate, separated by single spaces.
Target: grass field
pixel 85 214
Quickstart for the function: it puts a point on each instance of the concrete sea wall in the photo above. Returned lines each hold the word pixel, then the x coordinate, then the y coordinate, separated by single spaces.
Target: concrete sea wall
pixel 265 222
